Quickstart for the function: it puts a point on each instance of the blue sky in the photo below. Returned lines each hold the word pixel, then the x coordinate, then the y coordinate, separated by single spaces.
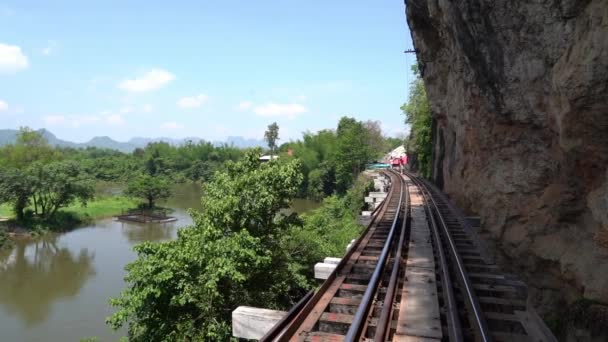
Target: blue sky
pixel 201 68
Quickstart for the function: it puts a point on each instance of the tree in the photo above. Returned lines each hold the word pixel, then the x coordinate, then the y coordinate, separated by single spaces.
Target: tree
pixel 149 188
pixel 29 148
pixel 15 188
pixel 375 139
pixel 59 184
pixel 418 115
pixel 352 153
pixel 186 289
pixel 271 136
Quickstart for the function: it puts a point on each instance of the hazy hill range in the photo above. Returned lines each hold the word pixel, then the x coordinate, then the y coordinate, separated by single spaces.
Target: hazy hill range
pixel 9 136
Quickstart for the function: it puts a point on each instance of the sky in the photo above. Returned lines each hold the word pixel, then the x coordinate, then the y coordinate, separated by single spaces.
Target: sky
pixel 208 69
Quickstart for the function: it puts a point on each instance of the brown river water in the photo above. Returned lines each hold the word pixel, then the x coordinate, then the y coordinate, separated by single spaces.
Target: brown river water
pixel 56 288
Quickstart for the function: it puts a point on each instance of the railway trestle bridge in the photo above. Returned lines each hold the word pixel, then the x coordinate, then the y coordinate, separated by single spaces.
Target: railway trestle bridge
pixel 417 273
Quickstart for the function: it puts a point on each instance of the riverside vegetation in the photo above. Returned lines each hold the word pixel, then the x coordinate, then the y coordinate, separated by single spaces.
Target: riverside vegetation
pixel 242 248
pixel 47 188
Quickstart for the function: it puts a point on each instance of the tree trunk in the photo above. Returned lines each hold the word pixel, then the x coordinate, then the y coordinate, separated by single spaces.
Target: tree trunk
pixel 19 206
pixel 150 202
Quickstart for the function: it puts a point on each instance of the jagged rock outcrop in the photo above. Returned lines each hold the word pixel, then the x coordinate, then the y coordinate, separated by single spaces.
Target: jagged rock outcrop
pixel 519 90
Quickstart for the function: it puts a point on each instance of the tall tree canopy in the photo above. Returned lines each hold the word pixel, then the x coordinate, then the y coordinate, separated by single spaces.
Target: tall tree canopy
pixel 271 136
pixel 353 152
pixel 149 188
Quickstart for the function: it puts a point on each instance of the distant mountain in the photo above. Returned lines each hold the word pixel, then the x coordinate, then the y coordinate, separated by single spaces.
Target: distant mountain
pixel 9 136
pixel 241 142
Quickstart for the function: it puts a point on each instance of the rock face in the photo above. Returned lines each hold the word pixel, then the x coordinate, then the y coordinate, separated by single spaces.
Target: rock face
pixel 519 91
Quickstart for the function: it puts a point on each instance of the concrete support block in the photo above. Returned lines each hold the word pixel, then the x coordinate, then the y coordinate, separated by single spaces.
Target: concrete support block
pixel 366 213
pixel 323 270
pixel 252 323
pixel 352 242
pixel 331 260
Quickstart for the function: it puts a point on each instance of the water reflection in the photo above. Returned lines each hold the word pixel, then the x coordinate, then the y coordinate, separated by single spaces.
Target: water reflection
pixel 37 274
pixel 57 288
pixel 136 233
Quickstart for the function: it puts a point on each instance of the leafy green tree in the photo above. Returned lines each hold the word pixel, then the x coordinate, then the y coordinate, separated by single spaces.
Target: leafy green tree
pixel 186 289
pixel 59 184
pixel 418 115
pixel 375 139
pixel 149 188
pixel 271 136
pixel 29 148
pixel 15 188
pixel 352 153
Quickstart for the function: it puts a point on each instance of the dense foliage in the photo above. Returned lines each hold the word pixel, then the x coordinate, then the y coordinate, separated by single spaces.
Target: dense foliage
pixel 242 250
pixel 37 179
pixel 185 289
pixel 331 160
pixel 418 115
pixel 33 174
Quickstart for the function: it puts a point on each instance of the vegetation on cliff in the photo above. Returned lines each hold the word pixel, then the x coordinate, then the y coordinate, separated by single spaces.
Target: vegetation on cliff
pixel 417 111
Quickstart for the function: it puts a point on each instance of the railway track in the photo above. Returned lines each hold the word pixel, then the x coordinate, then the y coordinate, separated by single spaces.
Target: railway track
pixel 415 274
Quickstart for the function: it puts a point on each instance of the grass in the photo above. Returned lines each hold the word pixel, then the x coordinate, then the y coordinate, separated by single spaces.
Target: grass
pixel 101 207
pixel 6 210
pixel 72 216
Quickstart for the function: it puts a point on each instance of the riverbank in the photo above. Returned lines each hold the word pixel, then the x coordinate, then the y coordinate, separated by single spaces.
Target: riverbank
pixel 66 219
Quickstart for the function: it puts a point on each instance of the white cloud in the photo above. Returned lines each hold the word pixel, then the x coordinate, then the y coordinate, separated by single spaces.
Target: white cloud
pixel 192 102
pixel 152 80
pixel 171 125
pixel 289 110
pixel 114 119
pixel 244 105
pixel 50 46
pixel 12 59
pixel 302 97
pixel 3 106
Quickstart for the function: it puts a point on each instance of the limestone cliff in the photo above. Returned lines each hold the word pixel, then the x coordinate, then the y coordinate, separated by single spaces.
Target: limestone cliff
pixel 519 91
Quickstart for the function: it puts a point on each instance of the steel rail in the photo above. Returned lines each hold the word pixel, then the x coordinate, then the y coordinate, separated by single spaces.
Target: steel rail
pixel 387 306
pixel 354 331
pixel 479 319
pixel 454 327
pixel 292 327
pixel 278 328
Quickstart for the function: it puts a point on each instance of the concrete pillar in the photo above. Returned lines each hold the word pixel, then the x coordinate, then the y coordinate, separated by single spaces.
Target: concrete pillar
pixel 323 270
pixel 331 260
pixel 253 323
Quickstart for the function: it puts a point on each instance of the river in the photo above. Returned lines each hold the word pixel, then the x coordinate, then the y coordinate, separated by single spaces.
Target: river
pixel 57 287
